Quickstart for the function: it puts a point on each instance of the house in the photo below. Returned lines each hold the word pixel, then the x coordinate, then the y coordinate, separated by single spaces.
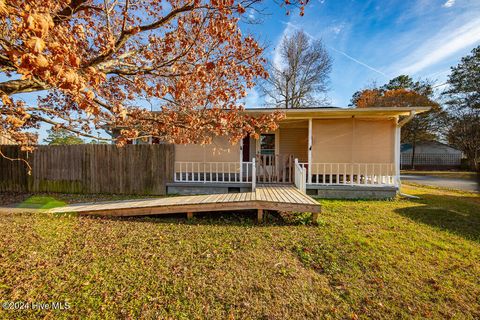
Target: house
pixel 430 155
pixel 325 152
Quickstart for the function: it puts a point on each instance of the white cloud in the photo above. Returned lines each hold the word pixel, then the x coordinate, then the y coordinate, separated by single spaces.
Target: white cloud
pixel 338 28
pixel 253 99
pixel 449 3
pixel 454 37
pixel 251 14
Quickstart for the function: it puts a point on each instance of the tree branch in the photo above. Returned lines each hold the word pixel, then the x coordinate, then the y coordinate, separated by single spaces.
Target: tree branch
pixel 63 126
pixel 21 86
pixel 126 34
pixel 68 11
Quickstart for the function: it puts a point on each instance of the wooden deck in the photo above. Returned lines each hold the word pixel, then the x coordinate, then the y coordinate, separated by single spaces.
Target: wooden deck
pixel 273 197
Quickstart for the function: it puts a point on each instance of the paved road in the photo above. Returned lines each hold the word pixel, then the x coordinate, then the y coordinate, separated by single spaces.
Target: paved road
pixel 465 184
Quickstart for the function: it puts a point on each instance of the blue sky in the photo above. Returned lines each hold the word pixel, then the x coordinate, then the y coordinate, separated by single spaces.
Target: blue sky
pixel 376 40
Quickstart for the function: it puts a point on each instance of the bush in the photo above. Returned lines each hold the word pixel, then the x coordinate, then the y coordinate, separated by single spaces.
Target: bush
pixel 298 218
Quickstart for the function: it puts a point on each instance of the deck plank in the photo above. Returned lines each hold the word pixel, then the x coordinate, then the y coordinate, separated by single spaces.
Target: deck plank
pixel 297 195
pixel 274 195
pixel 237 197
pixel 260 193
pixel 282 195
pixel 217 198
pixel 288 193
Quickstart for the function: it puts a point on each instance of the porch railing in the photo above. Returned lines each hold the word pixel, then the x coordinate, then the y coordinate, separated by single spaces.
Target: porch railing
pixel 300 177
pixel 379 174
pixel 275 168
pixel 373 174
pixel 218 172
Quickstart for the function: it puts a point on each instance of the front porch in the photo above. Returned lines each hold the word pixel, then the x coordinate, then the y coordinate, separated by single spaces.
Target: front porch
pixel 344 158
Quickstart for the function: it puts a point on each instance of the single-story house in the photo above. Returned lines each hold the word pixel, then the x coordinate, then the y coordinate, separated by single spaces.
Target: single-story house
pixel 326 152
pixel 430 155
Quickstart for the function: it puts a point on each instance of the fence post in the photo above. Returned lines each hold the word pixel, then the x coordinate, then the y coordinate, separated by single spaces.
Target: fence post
pixel 254 175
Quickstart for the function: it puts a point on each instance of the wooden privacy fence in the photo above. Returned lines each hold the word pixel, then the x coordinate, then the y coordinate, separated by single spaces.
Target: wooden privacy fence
pixel 133 169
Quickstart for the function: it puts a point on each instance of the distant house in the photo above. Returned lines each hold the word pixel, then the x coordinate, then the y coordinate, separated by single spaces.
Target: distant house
pixel 430 155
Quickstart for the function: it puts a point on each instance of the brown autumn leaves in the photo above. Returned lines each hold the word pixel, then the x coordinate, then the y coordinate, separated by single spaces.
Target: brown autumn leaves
pixel 392 98
pixel 104 64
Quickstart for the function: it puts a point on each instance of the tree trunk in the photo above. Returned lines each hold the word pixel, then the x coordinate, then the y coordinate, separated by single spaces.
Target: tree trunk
pixel 472 164
pixel 286 92
pixel 412 162
pixel 475 163
pixel 473 160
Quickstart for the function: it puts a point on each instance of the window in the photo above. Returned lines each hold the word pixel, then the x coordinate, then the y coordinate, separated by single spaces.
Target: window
pixel 267 144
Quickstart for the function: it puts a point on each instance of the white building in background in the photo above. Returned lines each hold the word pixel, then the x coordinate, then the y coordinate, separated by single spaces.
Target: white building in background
pixel 431 154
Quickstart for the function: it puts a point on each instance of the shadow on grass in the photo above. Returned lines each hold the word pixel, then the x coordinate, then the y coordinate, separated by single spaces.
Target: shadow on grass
pixel 221 218
pixel 456 214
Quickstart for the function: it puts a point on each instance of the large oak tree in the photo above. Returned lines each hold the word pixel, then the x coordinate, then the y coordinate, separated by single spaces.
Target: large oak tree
pixel 94 60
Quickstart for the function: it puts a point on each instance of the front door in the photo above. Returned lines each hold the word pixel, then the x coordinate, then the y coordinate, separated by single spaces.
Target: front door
pixel 246 150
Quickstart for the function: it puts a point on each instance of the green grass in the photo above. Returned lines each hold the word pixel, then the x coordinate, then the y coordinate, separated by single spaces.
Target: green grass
pixel 367 259
pixel 41 202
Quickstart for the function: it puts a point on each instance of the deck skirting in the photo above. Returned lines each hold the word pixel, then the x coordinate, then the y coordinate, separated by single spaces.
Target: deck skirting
pixel 351 191
pixel 315 190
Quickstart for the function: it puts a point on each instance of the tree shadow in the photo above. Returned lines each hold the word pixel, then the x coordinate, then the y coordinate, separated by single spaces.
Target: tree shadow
pixel 244 218
pixel 457 214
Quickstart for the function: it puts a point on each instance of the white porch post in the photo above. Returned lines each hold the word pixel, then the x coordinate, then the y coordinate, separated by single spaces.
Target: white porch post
pixel 397 155
pixel 310 151
pixel 254 174
pixel 241 161
pixel 398 132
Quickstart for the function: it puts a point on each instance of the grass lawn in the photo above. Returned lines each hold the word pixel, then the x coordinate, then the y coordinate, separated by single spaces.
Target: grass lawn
pixel 367 259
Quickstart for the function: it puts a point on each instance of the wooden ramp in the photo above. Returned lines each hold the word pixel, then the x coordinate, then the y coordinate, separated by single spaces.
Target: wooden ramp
pixel 274 197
